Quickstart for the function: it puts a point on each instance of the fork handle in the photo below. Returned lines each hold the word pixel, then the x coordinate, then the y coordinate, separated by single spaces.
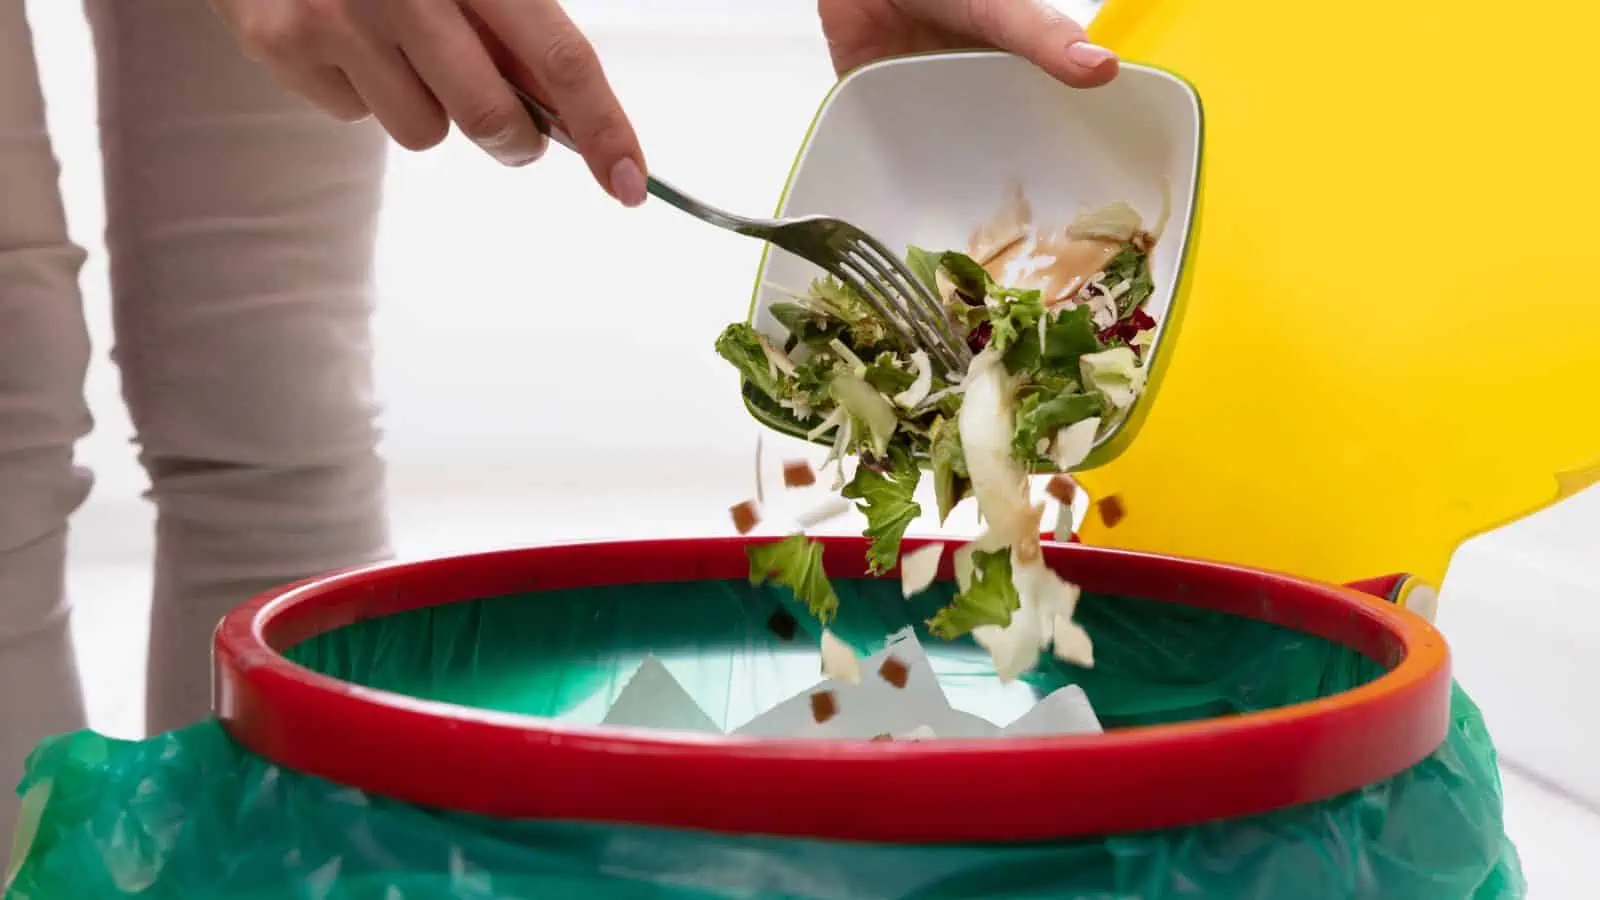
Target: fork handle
pixel 545 119
pixel 549 123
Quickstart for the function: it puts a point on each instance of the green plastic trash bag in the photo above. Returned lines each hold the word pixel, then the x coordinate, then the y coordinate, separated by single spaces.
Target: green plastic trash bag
pixel 190 814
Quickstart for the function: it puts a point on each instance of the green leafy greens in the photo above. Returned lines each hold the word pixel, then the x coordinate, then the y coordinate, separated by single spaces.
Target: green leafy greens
pixel 842 376
pixel 886 500
pixel 796 563
pixel 989 599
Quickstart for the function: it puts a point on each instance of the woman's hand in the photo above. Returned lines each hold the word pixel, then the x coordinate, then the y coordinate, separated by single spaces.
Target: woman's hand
pixel 418 65
pixel 862 31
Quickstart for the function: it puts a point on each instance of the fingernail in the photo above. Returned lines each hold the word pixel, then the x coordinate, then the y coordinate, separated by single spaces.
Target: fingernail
pixel 1089 56
pixel 627 182
pixel 513 156
pixel 499 139
pixel 508 149
pixel 518 160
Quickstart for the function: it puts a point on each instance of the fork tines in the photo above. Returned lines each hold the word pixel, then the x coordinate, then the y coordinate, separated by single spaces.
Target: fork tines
pixel 899 298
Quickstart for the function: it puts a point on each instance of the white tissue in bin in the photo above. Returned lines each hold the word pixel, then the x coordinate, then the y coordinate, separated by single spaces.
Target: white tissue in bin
pixel 1065 711
pixel 875 706
pixel 653 698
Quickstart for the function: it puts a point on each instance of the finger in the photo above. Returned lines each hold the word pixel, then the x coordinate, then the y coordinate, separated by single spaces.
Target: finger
pixel 397 97
pixel 1045 36
pixel 451 59
pixel 328 89
pixel 561 60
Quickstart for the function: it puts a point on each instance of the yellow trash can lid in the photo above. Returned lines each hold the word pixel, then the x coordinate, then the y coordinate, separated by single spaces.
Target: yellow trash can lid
pixel 1390 343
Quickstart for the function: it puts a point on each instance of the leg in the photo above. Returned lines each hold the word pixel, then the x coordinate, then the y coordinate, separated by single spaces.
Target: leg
pixel 240 226
pixel 44 352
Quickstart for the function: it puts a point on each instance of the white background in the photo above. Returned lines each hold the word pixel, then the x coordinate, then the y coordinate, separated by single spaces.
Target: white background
pixel 507 424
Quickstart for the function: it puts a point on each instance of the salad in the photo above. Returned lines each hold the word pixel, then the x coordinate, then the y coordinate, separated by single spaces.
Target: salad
pixel 1057 322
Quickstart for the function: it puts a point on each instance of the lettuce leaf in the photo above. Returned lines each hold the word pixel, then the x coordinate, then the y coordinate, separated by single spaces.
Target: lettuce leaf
pixel 1115 373
pixel 950 478
pixel 833 298
pixel 990 598
pixel 1039 417
pixel 886 501
pixel 970 279
pixel 1131 266
pixel 925 265
pixel 1068 335
pixel 1012 315
pixel 796 563
pixel 740 344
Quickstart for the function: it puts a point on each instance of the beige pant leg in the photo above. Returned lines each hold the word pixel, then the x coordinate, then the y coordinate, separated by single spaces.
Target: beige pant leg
pixel 241 227
pixel 44 351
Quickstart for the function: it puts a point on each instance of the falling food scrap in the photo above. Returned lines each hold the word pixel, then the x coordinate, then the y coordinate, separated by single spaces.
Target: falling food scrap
pixel 823 706
pixel 761 492
pixel 839 661
pixel 1061 489
pixel 797 473
pixel 782 624
pixel 895 672
pixel 1111 510
pixel 831 508
pixel 919 568
pixel 746 516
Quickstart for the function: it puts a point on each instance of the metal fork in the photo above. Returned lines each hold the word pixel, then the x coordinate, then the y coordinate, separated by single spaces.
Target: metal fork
pixel 870 269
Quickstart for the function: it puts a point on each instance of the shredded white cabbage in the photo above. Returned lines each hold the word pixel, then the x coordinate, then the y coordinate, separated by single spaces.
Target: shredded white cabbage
pixel 777 358
pixel 1064 517
pixel 987 420
pixel 761 494
pixel 1073 443
pixel 834 420
pixel 850 359
pixel 1113 222
pixel 919 568
pixel 839 661
pixel 1072 643
pixel 1115 373
pixel 862 401
pixel 1001 486
pixel 914 395
pixel 827 510
pixel 1015 647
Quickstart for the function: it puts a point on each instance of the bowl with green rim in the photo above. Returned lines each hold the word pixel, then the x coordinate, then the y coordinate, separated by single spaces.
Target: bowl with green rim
pixel 923 150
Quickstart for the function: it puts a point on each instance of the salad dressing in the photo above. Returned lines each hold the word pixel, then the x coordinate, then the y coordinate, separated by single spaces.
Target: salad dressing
pixel 1074 261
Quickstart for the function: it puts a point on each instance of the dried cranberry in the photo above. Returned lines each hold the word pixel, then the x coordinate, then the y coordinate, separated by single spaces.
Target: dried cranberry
pixel 783 624
pixel 824 706
pixel 746 516
pixel 979 338
pixel 798 473
pixel 895 672
pixel 881 466
pixel 1112 512
pixel 1062 489
pixel 1125 330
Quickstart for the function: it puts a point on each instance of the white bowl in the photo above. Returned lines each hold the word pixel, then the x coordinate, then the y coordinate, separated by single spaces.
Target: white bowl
pixel 923 149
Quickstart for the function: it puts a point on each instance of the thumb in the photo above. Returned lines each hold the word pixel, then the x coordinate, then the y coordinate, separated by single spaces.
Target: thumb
pixel 1043 35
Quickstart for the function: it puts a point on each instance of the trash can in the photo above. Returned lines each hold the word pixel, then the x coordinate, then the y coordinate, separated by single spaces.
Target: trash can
pixel 428 730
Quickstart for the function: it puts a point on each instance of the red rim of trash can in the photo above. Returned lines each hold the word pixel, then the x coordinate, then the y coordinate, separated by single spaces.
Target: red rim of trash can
pixel 510 766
